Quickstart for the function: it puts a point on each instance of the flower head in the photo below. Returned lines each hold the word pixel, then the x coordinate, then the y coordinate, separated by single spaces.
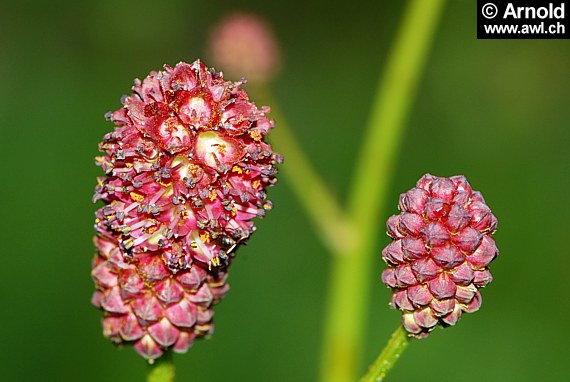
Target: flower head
pixel 244 43
pixel 440 254
pixel 186 172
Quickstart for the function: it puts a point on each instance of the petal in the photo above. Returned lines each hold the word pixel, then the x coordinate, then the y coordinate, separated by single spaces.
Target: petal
pixel 435 234
pixel 164 332
pixel 152 268
pixel 442 188
pixel 191 279
pixel 389 277
pixel 112 301
pixel 467 240
pixel 484 254
pixel 401 301
pixel 462 199
pixel 411 224
pixel 203 296
pixel 131 284
pixel 204 330
pixel 425 182
pixel 482 278
pixel 413 201
pixel 219 292
pixel 410 323
pixel 185 340
pixel 442 287
pixel 147 308
pixel 204 315
pixel 393 225
pixel 419 295
pixel 436 208
pixel 96 298
pixel 461 184
pixel 413 248
pixel 130 328
pixel 103 276
pixel 169 291
pixel 457 219
pixel 425 269
pixel 447 256
pixel 405 276
pixel 180 77
pixel 474 304
pixel 425 318
pixel 465 294
pixel 393 253
pixel 452 318
pixel 182 314
pixel 104 246
pixel 218 151
pixel 196 108
pixel 111 328
pixel 442 307
pixel 483 219
pixel 462 274
pixel 148 348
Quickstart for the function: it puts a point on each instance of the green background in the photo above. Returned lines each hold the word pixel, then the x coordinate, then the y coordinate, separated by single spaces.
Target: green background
pixel 494 110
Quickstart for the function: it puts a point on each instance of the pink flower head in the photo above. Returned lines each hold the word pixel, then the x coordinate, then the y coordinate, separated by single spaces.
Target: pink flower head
pixel 186 172
pixel 245 44
pixel 440 255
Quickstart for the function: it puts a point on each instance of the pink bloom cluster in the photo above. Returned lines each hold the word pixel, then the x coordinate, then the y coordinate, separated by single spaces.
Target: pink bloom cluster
pixel 186 171
pixel 440 254
pixel 245 43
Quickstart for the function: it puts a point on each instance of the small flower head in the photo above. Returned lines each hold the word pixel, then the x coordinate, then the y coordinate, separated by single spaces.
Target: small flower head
pixel 245 44
pixel 186 171
pixel 440 253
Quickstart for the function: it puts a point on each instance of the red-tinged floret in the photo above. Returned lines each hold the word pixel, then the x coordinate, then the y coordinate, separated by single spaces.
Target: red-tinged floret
pixel 186 172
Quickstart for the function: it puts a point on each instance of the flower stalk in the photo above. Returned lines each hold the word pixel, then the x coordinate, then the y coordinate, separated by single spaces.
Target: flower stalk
pixel 388 357
pixel 162 369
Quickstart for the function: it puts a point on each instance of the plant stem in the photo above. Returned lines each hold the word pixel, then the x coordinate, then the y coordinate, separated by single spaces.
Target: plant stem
pixel 351 273
pixel 388 357
pixel 162 370
pixel 310 189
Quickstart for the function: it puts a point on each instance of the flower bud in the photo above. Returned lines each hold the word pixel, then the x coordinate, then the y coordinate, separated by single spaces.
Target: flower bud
pixel 440 253
pixel 244 44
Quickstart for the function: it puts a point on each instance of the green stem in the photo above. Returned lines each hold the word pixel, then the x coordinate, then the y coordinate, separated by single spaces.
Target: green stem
pixel 351 274
pixel 162 370
pixel 388 357
pixel 310 189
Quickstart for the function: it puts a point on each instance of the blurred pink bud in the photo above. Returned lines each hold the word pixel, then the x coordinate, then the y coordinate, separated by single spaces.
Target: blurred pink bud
pixel 245 45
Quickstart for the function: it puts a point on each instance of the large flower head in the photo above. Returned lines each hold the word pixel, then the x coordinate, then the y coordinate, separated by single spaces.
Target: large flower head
pixel 186 172
pixel 440 254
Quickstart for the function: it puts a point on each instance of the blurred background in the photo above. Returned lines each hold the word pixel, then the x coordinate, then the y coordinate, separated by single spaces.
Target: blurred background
pixel 494 110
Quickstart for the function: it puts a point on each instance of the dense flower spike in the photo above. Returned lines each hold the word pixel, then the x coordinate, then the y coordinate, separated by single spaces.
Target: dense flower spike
pixel 186 172
pixel 440 255
pixel 244 44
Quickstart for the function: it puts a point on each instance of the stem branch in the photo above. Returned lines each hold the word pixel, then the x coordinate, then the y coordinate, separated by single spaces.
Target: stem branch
pixel 324 210
pixel 351 274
